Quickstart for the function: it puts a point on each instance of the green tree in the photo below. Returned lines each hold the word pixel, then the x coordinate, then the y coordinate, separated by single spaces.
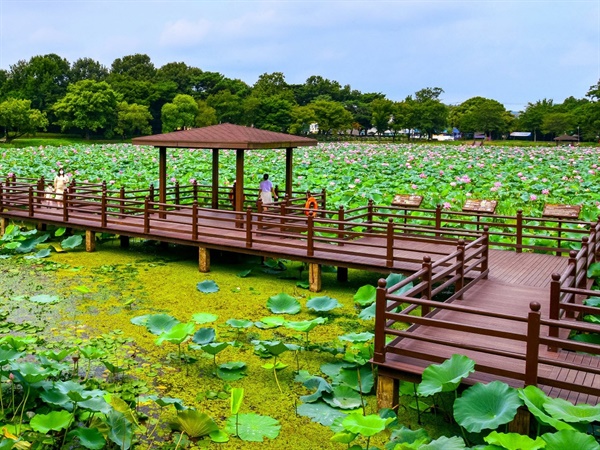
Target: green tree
pixel 87 69
pixel 532 118
pixel 302 117
pixel 482 114
pixel 181 74
pixel 272 84
pixel 401 116
pixel 132 120
pixel 179 114
pixel 18 118
pixel 331 116
pixel 206 115
pixel 137 67
pixel 382 110
pixel 272 113
pixel 228 107
pixel 557 123
pixel 88 106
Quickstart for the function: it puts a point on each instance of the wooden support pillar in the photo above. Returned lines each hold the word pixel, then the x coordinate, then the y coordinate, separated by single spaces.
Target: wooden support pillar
pixel 203 259
pixel 3 225
pixel 387 392
pixel 314 277
pixel 90 241
pixel 342 274
pixel 521 423
pixel 124 241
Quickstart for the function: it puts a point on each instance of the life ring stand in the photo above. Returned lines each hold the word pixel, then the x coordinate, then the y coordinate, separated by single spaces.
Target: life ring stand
pixel 311 207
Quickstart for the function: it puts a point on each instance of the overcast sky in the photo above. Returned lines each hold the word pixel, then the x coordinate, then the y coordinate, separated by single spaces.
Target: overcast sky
pixel 511 51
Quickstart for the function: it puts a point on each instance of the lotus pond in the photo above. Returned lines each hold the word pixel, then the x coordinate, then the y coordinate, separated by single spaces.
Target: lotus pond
pixel 351 173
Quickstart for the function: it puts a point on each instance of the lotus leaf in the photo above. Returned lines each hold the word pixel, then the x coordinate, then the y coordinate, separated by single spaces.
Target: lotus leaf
pixel 534 398
pixel 177 334
pixel 393 279
pixel 55 420
pixel 232 371
pixel 270 322
pixel 405 435
pixel 592 301
pixel 29 372
pixel 514 441
pixel 194 423
pixel 332 370
pixel 594 270
pixel 343 397
pixel 244 273
pixel 204 336
pixel 120 430
pixel 214 347
pixel 343 437
pixel 306 325
pixel 140 320
pixel 445 443
pixel 237 395
pixel 71 241
pixel 253 427
pixel 9 354
pixel 89 438
pixel 564 439
pixel 486 406
pixel 320 412
pixel 159 323
pixel 567 411
pixel 44 299
pixel 323 304
pixel 349 377
pixel 368 313
pixel 43 253
pixel 239 323
pixel 590 338
pixel 283 304
pixel 201 318
pixel 321 387
pixel 357 337
pixel 219 436
pixel 365 295
pixel 365 425
pixel 207 287
pixel 447 376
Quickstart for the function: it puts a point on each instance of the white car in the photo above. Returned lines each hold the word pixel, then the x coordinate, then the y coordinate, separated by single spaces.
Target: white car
pixel 443 137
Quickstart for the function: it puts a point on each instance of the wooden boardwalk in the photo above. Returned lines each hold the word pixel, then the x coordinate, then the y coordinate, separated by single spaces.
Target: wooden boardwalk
pixel 486 319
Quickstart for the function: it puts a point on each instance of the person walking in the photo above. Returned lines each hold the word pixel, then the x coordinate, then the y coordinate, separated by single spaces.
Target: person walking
pixel 267 192
pixel 61 181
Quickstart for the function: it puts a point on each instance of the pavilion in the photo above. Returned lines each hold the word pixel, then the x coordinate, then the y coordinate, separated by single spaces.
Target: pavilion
pixel 225 136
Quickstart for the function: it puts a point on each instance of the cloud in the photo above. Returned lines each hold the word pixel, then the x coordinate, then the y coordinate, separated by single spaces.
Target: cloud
pixel 185 33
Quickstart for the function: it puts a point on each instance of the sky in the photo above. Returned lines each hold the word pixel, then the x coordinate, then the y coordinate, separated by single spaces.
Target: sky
pixel 514 52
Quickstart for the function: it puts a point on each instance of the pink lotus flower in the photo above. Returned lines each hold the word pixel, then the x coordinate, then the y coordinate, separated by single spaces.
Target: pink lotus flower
pixel 533 197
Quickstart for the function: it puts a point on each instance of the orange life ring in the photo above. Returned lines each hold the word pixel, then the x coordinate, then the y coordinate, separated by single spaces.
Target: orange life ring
pixel 311 207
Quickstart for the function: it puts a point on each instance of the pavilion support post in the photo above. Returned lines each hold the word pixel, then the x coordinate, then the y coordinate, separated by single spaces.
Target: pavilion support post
pixel 387 392
pixel 288 172
pixel 239 185
pixel 3 225
pixel 162 180
pixel 203 259
pixel 521 423
pixel 314 277
pixel 214 203
pixel 90 241
pixel 124 241
pixel 342 274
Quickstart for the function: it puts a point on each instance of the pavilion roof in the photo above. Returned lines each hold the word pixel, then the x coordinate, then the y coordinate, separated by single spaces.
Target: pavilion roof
pixel 225 136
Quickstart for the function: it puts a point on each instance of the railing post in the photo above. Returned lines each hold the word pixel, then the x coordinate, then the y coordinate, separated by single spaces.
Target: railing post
pixel 460 270
pixel 554 313
pixel 195 220
pixel 65 204
pixel 438 219
pixel 597 240
pixel 151 193
pixel 380 307
pixel 103 218
pixel 341 225
pixel 122 201
pixel 323 202
pixel 41 190
pixel 533 344
pixel 310 250
pixel 370 214
pixel 30 201
pixel 485 264
pixel 1 197
pixel 195 191
pixel 248 228
pixel 177 193
pixel 519 231
pixel 585 248
pixel 146 215
pixel 427 280
pixel 282 213
pixel 389 254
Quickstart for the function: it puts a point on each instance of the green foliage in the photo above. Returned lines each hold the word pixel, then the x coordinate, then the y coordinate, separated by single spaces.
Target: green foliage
pixel 283 304
pixel 17 118
pixel 514 441
pixel 253 427
pixel 323 304
pixel 447 376
pixel 570 439
pixel 207 287
pixel 365 295
pixel 194 423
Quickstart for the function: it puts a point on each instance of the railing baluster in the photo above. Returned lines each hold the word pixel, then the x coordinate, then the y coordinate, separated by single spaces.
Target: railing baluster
pixel 310 250
pixel 103 218
pixel 380 307
pixel 486 251
pixel 389 257
pixel 30 201
pixel 460 269
pixel 122 201
pixel 427 280
pixel 65 204
pixel 533 344
pixel 519 231
pixel 146 215
pixel 248 228
pixel 195 220
pixel 341 226
pixel 554 313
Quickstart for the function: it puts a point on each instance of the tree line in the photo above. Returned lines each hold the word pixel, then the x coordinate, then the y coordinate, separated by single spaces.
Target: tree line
pixel 134 97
